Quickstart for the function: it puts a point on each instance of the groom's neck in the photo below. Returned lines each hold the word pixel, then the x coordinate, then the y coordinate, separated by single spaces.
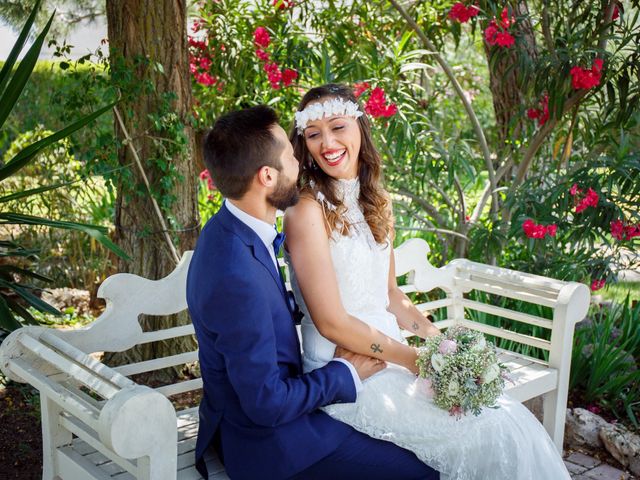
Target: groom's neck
pixel 256 207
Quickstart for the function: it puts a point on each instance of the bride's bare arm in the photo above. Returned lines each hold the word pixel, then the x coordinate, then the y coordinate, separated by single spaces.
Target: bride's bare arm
pixel 407 315
pixel 308 245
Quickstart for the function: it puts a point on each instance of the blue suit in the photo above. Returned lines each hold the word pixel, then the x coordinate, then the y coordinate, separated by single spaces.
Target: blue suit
pixel 255 393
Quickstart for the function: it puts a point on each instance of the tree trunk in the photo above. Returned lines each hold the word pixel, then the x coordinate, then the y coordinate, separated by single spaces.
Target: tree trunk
pixel 508 97
pixel 148 41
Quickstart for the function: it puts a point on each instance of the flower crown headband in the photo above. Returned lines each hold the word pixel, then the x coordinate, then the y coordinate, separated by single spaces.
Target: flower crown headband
pixel 328 108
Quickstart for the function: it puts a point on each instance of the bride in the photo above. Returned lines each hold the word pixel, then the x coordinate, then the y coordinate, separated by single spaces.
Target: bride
pixel 339 248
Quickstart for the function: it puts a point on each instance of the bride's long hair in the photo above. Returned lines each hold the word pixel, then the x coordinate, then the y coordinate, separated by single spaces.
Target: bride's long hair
pixel 373 199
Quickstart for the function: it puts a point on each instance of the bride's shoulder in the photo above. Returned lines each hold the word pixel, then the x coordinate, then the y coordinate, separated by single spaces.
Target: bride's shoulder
pixel 307 208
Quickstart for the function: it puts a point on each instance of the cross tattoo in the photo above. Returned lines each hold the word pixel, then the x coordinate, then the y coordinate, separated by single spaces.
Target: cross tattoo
pixel 376 348
pixel 415 326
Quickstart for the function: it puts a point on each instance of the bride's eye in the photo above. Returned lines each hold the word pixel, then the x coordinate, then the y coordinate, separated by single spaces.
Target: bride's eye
pixel 311 135
pixel 338 127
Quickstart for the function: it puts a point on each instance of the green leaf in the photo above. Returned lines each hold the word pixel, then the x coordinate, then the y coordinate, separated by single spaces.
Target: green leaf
pixel 22 271
pixel 21 75
pixel 33 191
pixel 93 231
pixel 17 47
pixel 22 312
pixel 7 320
pixel 27 154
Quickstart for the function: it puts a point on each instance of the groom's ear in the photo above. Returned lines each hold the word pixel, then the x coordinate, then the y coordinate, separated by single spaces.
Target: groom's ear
pixel 266 176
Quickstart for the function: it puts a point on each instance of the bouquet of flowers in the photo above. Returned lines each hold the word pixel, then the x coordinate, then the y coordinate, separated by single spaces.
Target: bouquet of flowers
pixel 463 371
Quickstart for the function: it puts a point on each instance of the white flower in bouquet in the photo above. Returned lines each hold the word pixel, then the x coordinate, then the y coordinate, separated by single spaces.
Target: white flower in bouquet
pixel 463 371
pixel 437 362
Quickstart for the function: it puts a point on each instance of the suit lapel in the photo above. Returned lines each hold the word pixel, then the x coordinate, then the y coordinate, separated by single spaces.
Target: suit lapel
pixel 252 240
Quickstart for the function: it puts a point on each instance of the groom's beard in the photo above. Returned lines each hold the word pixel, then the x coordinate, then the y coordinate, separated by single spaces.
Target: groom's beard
pixel 285 195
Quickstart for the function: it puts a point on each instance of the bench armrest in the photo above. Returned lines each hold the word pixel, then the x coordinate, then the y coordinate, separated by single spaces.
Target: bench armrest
pixel 126 421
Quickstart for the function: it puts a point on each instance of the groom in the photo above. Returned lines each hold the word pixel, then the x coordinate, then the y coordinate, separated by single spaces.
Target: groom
pixel 259 410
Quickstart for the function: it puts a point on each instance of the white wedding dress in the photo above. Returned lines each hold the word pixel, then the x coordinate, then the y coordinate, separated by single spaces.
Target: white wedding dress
pixel 507 443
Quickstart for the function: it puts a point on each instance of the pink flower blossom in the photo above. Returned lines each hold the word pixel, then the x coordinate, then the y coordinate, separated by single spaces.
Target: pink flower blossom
pixel 273 74
pixel 504 39
pixel 534 230
pixel 377 106
pixel 261 37
pixel 597 284
pixel 288 76
pixel 205 63
pixel 590 200
pixel 586 79
pixel 197 44
pixel 448 347
pixel 360 88
pixel 617 229
pixel 461 13
pixel 262 54
pixel 616 13
pixel 205 79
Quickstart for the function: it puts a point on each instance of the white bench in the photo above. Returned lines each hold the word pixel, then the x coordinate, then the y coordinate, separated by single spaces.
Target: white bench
pixel 98 424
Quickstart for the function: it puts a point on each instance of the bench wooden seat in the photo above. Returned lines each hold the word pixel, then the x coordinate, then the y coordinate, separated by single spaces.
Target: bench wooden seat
pixel 99 424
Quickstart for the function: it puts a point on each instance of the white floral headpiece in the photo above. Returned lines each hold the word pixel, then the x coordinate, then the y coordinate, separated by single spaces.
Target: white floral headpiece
pixel 328 108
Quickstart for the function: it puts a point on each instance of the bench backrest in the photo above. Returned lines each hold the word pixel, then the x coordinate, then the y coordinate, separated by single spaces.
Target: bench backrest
pixel 128 296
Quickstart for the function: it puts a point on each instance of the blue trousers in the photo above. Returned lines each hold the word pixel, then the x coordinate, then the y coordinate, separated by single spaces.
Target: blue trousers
pixel 366 458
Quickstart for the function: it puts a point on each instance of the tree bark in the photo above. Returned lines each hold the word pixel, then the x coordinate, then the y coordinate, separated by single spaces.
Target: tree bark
pixel 508 97
pixel 155 31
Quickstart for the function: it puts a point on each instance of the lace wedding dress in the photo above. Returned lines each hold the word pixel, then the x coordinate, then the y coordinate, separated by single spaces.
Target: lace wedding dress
pixel 507 443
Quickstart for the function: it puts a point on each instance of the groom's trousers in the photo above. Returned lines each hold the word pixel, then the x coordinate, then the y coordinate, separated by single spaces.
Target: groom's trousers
pixel 363 457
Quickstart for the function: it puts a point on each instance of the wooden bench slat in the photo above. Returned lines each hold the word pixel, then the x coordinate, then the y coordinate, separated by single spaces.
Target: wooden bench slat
pixel 506 313
pixel 157 363
pixel 503 291
pixel 167 333
pixel 180 387
pixel 506 334
pixel 74 465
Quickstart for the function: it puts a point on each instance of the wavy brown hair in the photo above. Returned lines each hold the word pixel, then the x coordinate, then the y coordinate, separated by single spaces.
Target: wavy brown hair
pixel 373 199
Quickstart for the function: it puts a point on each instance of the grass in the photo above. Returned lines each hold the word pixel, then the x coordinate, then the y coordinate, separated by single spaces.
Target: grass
pixel 618 292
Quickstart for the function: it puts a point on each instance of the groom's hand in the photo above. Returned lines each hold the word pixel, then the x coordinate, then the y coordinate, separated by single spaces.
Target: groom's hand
pixel 364 365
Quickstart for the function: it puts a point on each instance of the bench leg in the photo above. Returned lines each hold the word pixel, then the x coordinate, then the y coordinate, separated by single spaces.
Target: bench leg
pixel 555 413
pixel 53 436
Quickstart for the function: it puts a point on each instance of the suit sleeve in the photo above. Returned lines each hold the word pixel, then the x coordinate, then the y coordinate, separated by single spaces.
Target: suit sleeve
pixel 241 320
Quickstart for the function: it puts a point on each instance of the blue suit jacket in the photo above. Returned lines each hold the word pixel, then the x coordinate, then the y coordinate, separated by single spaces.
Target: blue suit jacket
pixel 255 394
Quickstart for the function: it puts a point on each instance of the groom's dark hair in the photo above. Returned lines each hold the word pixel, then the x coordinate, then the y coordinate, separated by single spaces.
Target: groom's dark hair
pixel 238 145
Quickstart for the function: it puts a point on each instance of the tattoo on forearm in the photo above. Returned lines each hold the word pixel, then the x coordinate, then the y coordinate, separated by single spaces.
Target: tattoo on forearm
pixel 415 326
pixel 376 348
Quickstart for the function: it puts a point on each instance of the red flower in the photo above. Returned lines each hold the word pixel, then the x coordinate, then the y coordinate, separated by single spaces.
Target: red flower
pixel 205 63
pixel 496 34
pixel 261 37
pixel 583 78
pixel 574 190
pixel 590 200
pixel 197 44
pixel 597 285
pixel 632 231
pixel 288 76
pixel 273 74
pixel 504 39
pixel 197 25
pixel 360 88
pixel 204 175
pixel 205 79
pixel 541 114
pixel 282 4
pixel 534 230
pixel 616 13
pixel 461 13
pixel 377 106
pixel 262 54
pixel 617 229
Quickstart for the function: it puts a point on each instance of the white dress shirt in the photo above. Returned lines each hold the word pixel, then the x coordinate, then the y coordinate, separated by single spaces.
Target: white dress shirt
pixel 267 234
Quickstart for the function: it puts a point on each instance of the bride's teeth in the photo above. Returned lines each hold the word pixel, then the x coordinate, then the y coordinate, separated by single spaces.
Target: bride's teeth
pixel 333 156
